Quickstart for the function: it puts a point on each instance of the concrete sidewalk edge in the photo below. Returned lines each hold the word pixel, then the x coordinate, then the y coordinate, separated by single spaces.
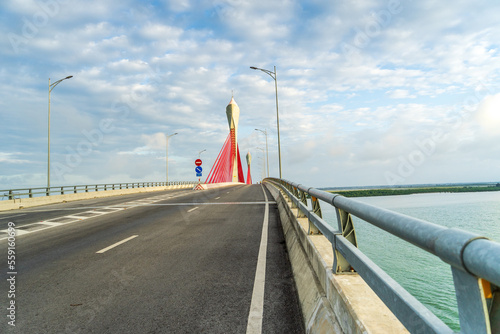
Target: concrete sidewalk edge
pixel 330 303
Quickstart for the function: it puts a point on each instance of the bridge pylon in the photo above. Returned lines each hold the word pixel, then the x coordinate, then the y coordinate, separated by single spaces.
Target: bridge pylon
pixel 227 167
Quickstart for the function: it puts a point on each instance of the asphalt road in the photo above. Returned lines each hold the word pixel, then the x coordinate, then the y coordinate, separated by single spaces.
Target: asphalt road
pixel 169 262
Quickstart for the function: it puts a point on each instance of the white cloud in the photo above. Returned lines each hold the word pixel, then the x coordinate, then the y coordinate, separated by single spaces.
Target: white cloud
pixel 164 35
pixel 169 66
pixel 400 94
pixel 178 5
pixel 488 115
pixel 11 158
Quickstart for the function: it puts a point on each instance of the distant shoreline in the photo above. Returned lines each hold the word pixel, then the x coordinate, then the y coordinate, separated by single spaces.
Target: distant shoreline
pixel 416 190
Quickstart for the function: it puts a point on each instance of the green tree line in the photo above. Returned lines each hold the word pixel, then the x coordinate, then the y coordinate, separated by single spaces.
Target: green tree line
pixel 408 191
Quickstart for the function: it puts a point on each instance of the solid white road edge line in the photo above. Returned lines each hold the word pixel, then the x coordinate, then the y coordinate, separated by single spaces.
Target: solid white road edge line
pixel 255 315
pixel 118 243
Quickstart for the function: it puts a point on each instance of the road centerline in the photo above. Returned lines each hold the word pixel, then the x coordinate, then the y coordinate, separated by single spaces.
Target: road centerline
pixel 116 244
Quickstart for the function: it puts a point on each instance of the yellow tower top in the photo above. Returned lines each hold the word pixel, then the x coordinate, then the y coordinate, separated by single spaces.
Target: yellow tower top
pixel 249 158
pixel 233 114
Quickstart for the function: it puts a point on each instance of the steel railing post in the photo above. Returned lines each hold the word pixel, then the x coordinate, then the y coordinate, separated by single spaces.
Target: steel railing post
pixel 346 228
pixel 472 307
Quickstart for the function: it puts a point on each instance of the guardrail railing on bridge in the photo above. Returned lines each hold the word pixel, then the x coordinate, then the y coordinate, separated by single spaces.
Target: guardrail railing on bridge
pixel 474 260
pixel 10 194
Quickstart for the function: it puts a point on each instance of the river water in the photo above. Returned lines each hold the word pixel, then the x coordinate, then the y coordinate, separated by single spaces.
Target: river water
pixel 425 276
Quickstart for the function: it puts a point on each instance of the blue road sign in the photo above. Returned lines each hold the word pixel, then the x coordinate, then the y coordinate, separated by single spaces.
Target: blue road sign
pixel 198 174
pixel 198 169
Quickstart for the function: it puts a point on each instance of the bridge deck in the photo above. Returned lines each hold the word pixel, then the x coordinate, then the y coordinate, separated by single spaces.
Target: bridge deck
pixel 170 262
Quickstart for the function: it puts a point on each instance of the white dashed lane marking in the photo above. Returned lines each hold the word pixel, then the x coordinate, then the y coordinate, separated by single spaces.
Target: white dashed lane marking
pixel 51 223
pixel 116 244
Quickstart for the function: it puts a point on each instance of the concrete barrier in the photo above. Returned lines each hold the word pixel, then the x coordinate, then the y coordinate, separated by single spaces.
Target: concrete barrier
pixel 330 303
pixel 206 186
pixel 21 203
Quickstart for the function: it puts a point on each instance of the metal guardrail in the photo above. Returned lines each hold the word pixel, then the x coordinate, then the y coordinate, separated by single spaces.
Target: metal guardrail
pixel 474 260
pixel 11 194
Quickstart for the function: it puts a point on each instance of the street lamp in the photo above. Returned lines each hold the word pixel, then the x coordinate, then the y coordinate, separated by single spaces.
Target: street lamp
pixel 168 137
pixel 267 150
pixel 51 87
pixel 273 75
pixel 199 153
pixel 263 158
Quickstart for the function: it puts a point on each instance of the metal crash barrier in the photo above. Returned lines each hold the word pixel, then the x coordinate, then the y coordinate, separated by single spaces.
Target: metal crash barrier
pixel 474 260
pixel 11 194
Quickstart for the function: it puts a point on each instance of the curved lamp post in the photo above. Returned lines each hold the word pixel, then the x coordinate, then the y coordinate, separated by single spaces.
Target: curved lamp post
pixel 267 150
pixel 168 137
pixel 263 162
pixel 51 87
pixel 199 153
pixel 273 75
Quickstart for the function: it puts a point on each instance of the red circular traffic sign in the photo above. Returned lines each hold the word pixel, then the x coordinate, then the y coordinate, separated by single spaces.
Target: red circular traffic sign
pixel 198 162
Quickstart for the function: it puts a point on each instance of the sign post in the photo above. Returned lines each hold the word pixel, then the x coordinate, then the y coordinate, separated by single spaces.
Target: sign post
pixel 198 169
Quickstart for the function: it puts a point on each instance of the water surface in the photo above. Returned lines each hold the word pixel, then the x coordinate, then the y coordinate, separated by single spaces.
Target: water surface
pixel 423 275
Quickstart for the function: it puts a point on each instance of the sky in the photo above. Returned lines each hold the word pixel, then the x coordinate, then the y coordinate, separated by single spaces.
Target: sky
pixel 386 92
